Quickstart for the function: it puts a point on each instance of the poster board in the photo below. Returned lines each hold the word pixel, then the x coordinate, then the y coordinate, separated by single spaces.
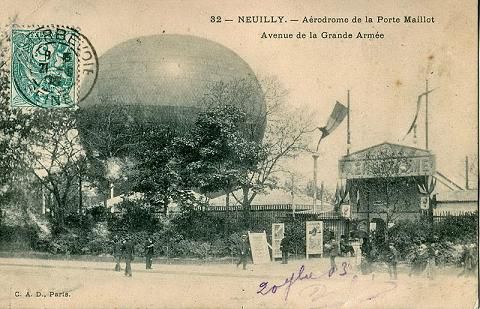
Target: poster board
pixel 314 237
pixel 346 211
pixel 424 202
pixel 278 232
pixel 259 247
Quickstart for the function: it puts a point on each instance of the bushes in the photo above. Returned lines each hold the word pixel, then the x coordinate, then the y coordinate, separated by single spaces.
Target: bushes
pixel 199 225
pixel 296 231
pixel 95 241
pixel 169 243
pixel 196 234
pixel 444 234
pixel 458 229
pixel 134 216
pixel 18 237
pixel 407 232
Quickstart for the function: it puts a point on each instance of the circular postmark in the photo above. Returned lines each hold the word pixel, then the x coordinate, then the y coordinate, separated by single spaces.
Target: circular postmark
pixel 52 66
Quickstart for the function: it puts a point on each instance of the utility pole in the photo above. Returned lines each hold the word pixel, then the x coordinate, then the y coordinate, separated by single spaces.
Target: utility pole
pixel 315 158
pixel 426 114
pixel 293 194
pixel 348 122
pixel 466 173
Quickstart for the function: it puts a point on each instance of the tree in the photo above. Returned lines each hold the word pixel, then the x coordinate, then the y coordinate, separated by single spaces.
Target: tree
pixel 56 157
pixel 286 135
pixel 15 127
pixel 215 149
pixel 15 124
pixel 385 165
pixel 108 135
pixel 222 150
pixel 36 147
pixel 155 172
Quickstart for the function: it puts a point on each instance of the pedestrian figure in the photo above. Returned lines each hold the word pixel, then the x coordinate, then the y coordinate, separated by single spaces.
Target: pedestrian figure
pixel 117 252
pixel 431 255
pixel 366 249
pixel 244 248
pixel 392 259
pixel 148 253
pixel 345 247
pixel 419 259
pixel 285 247
pixel 423 257
pixel 333 254
pixel 128 251
pixel 468 260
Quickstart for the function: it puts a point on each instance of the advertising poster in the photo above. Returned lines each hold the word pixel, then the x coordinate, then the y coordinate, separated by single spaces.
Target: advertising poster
pixel 314 237
pixel 259 248
pixel 278 230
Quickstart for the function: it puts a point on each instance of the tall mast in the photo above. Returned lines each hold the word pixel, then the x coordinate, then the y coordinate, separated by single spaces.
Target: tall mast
pixel 466 173
pixel 348 122
pixel 426 114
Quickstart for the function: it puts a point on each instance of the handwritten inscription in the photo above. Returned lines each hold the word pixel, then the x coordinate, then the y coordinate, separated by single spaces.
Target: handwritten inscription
pixel 266 288
pixel 325 293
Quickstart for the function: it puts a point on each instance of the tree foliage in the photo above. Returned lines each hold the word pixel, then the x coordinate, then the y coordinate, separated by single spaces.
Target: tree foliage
pixel 15 124
pixel 223 153
pixel 56 157
pixel 385 165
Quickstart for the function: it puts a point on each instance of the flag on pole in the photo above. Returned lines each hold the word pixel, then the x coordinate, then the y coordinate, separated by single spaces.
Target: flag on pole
pixel 338 114
pixel 419 101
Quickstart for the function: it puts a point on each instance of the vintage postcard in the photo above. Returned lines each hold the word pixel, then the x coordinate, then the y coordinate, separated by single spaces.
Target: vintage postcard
pixel 238 154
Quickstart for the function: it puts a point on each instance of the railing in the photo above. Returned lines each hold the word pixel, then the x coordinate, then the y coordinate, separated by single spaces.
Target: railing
pixel 439 216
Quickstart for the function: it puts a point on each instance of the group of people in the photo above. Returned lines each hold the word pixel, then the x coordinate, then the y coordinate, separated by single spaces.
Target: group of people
pixel 423 256
pixel 244 250
pixel 334 249
pixel 391 256
pixel 125 248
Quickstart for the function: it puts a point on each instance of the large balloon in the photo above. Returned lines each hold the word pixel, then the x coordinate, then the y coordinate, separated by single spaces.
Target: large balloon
pixel 164 77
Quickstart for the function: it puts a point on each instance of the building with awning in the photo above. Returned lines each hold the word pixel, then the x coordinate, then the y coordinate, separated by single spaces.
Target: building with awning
pixel 387 182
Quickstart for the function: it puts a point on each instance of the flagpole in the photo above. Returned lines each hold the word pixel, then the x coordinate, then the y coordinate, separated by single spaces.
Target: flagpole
pixel 348 122
pixel 426 114
pixel 315 157
pixel 338 114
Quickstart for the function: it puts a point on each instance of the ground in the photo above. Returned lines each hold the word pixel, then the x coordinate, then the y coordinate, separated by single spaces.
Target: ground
pixel 32 283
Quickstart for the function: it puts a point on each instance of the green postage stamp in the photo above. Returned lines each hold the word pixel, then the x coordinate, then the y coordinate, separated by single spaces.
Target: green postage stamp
pixel 44 67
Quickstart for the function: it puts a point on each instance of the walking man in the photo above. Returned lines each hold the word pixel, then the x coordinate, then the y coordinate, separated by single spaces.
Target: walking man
pixel 117 252
pixel 128 251
pixel 285 247
pixel 148 253
pixel 333 254
pixel 392 259
pixel 243 252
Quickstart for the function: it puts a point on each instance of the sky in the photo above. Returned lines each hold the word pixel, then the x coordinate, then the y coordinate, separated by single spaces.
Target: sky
pixel 384 76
